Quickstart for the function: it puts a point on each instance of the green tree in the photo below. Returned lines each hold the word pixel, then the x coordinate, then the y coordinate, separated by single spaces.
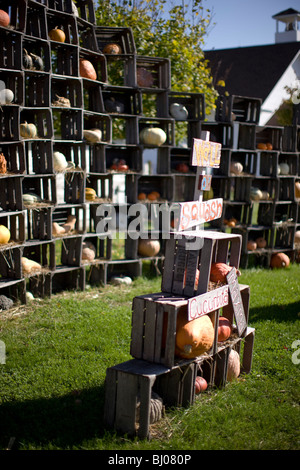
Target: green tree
pixel 177 34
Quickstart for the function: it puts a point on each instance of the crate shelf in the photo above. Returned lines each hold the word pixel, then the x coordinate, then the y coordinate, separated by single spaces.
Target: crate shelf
pixel 36 25
pixel 238 108
pixel 11 44
pixel 68 88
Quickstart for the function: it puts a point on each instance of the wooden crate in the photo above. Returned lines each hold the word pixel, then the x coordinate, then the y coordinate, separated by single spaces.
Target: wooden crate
pixel 67 124
pixel 11 49
pixel 39 157
pixel 15 222
pixel 124 129
pixel 70 88
pixel 86 10
pixel 270 134
pixel 292 160
pixel 36 24
pixel 92 120
pixel 17 12
pixel 122 100
pixel 86 36
pixel 116 35
pixel 10 264
pixel 137 184
pixel 11 193
pixel 14 81
pixel 66 23
pixel 9 124
pixel 286 189
pixel 267 163
pixel 64 59
pixel 37 89
pixel 60 5
pixel 40 285
pixel 69 251
pixel 132 156
pixel 42 119
pixel 68 278
pixel 102 247
pixel 238 108
pixel 39 223
pixel 40 48
pixel 43 186
pixel 158 68
pixel 14 289
pixel 167 125
pixel 99 63
pixel 43 252
pixel 134 381
pixel 14 152
pixel 75 153
pixel 193 102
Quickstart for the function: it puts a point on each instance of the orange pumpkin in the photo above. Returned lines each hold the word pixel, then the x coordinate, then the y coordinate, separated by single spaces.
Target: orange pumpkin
pixel 261 146
pixel 57 34
pixel 142 196
pixel 87 70
pixel 224 329
pixel 297 189
pixel 112 49
pixel 219 271
pixel 279 260
pixel 251 245
pixel 261 242
pixel 200 384
pixel 195 337
pixel 4 18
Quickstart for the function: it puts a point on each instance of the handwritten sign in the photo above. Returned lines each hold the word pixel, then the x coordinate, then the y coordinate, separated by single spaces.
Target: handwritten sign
pixel 204 182
pixel 205 153
pixel 208 302
pixel 237 302
pixel 197 212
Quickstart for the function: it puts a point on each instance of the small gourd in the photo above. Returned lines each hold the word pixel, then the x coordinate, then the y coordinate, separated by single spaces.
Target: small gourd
pixel 6 96
pixel 27 60
pixel 59 161
pixel 93 135
pixel 144 78
pixel 3 164
pixel 153 136
pixel 4 19
pixel 234 365
pixel 200 384
pixel 297 189
pixel 57 34
pixel 88 251
pixel 284 169
pixel 148 247
pixel 251 245
pixel 28 131
pixel 261 242
pixel 37 62
pixel 219 271
pixel 178 111
pixel 90 194
pixel 112 49
pixel 224 329
pixel 87 70
pixel 30 198
pixel 255 194
pixel 279 260
pixel 297 239
pixel 29 266
pixel 195 337
pixel 236 168
pixel 4 234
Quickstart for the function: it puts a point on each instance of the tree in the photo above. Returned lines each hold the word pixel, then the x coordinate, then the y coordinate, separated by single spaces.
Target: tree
pixel 177 34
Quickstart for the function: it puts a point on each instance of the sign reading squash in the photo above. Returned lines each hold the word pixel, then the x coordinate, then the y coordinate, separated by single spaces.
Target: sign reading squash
pixel 198 212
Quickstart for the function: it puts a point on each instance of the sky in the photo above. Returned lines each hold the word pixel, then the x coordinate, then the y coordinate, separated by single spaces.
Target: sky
pixel 241 23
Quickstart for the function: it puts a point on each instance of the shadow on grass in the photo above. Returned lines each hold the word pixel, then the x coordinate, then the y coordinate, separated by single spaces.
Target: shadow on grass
pixel 280 313
pixel 64 422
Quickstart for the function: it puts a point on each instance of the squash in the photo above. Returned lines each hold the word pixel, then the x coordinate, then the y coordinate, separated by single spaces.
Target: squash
pixel 153 196
pixel 153 136
pixel 233 366
pixel 297 239
pixel 195 337
pixel 6 96
pixel 261 242
pixel 112 49
pixel 261 146
pixel 284 169
pixel 29 266
pixel 148 247
pixel 31 198
pixel 4 19
pixel 297 189
pixel 224 329
pixel 200 384
pixel 27 60
pixel 236 168
pixel 279 260
pixel 178 111
pixel 251 245
pixel 219 271
pixel 3 164
pixel 90 194
pixel 37 61
pixel 87 70
pixel 59 161
pixel 144 78
pixel 88 251
pixel 57 34
pixel 28 131
pixel 255 194
pixel 93 135
pixel 142 196
pixel 182 168
pixel 4 234
pixel 269 146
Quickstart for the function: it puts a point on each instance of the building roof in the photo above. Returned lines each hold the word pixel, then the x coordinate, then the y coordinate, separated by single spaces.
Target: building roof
pixel 251 71
pixel 288 12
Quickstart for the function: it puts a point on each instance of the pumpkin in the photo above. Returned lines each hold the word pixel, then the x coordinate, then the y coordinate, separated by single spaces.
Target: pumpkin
pixel 200 384
pixel 3 164
pixel 224 329
pixel 269 146
pixel 284 169
pixel 6 96
pixel 261 242
pixel 57 34
pixel 182 168
pixel 144 77
pixel 59 161
pixel 28 131
pixel 153 196
pixel 90 194
pixel 178 111
pixel 4 19
pixel 112 49
pixel 251 245
pixel 142 196
pixel 87 70
pixel 279 260
pixel 153 136
pixel 148 247
pixel 236 168
pixel 261 146
pixel 4 234
pixel 233 366
pixel 195 337
pixel 88 251
pixel 297 189
pixel 219 271
pixel 297 239
pixel 29 266
pixel 255 194
pixel 93 135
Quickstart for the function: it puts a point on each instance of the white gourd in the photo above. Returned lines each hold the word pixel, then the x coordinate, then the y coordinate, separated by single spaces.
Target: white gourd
pixel 6 96
pixel 93 135
pixel 284 169
pixel 59 161
pixel 178 111
pixel 153 136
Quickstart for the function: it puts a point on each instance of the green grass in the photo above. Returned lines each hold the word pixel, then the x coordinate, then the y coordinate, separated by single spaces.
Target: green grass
pixel 58 349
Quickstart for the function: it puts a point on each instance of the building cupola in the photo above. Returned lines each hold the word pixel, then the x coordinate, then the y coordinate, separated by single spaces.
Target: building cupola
pixel 287 26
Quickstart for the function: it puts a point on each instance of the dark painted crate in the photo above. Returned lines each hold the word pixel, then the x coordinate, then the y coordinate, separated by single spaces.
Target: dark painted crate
pixel 60 5
pixel 122 100
pixel 42 119
pixel 61 214
pixel 132 245
pixel 36 24
pixel 14 81
pixel 14 290
pixel 131 268
pixel 69 88
pixel 121 70
pixel 145 184
pixel 132 156
pixel 122 36
pixel 14 152
pixel 92 96
pixel 283 236
pixel 71 251
pixel 86 36
pixel 86 10
pixel 102 247
pixel 289 139
pixel 37 89
pixel 100 218
pixel 43 252
pixel 15 222
pixel 244 136
pixel 98 61
pixel 10 264
pixel 167 125
pixel 40 48
pixel 286 189
pixel 64 59
pixel 40 285
pixel 74 185
pixel 68 278
pixel 219 132
pixel 11 47
pixel 67 124
pixel 43 186
pixel 66 23
pixel 124 129
pixel 237 108
pixel 39 223
pixel 270 134
pixel 39 157
pixel 9 124
pixel 268 163
pixel 95 156
pixel 17 10
pixel 11 193
pixel 292 160
pixel 193 102
pixel 157 70
pixel 74 152
pixel 92 120
pixel 103 185
pixel 184 187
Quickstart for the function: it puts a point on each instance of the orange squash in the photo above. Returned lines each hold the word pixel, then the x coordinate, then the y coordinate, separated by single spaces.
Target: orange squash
pixel 224 329
pixel 87 69
pixel 195 337
pixel 219 271
pixel 57 34
pixel 4 18
pixel 200 384
pixel 251 245
pixel 297 189
pixel 279 260
pixel 261 242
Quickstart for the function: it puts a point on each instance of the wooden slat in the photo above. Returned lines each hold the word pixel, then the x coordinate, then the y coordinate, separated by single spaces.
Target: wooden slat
pixel 137 327
pixel 179 269
pixel 167 277
pixel 150 322
pixel 126 399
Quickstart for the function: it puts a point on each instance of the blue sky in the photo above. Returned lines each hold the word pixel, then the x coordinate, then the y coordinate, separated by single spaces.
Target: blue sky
pixel 241 23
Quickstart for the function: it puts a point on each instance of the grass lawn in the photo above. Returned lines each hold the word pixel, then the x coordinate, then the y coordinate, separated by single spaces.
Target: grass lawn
pixel 58 349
